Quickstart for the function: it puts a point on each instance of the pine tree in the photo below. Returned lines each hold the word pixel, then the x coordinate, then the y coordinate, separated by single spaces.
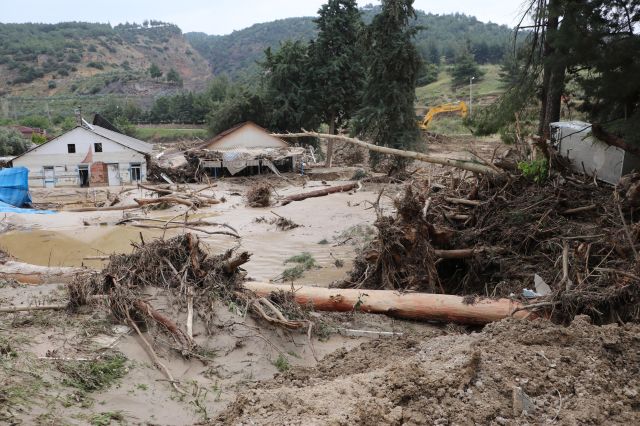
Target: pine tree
pixel 466 68
pixel 388 116
pixel 155 70
pixel 287 91
pixel 434 52
pixel 338 72
pixel 173 75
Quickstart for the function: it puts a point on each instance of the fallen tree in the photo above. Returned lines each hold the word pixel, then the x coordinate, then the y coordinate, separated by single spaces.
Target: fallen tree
pixel 34 274
pixel 423 306
pixel 460 164
pixel 321 192
pixel 612 139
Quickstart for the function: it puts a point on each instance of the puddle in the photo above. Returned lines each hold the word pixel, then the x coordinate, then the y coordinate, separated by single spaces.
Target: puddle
pixel 68 247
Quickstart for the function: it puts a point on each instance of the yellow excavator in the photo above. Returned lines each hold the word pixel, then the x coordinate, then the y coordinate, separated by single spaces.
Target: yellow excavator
pixel 455 106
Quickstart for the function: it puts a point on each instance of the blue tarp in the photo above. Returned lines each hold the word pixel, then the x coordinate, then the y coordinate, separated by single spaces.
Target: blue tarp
pixel 14 191
pixel 8 208
pixel 14 186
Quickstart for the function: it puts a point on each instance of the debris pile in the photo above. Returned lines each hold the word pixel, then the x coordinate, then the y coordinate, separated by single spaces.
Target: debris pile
pixel 574 235
pixel 260 195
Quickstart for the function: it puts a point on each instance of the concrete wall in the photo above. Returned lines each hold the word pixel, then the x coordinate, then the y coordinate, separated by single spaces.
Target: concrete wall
pixel 249 135
pixel 55 153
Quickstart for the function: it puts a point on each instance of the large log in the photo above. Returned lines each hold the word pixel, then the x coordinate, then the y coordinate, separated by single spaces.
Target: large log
pixel 33 274
pixel 102 209
pixel 423 306
pixel 321 192
pixel 145 201
pixel 461 164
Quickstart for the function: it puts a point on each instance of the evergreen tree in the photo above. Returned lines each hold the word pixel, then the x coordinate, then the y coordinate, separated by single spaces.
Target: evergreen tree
pixel 155 70
pixel 388 116
pixel 11 142
pixel 428 74
pixel 466 68
pixel 173 75
pixel 337 75
pixel 287 91
pixel 68 124
pixel 433 55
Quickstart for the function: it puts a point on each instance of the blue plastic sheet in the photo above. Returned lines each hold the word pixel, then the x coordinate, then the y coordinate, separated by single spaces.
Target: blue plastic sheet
pixel 14 186
pixel 8 208
pixel 14 191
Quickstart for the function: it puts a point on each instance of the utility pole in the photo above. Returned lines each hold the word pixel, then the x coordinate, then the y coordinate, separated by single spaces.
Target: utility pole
pixel 470 97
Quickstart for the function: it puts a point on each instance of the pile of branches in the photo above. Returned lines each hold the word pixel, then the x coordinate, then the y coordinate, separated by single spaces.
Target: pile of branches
pixel 260 195
pixel 499 233
pixel 194 199
pixel 177 263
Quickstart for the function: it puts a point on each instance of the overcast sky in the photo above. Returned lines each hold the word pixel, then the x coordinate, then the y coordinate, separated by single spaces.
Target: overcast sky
pixel 220 16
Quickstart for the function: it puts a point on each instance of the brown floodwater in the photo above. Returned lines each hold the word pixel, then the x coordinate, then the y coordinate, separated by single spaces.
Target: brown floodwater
pixel 68 247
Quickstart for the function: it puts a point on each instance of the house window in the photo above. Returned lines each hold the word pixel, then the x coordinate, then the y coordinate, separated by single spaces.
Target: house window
pixel 71 148
pixel 98 147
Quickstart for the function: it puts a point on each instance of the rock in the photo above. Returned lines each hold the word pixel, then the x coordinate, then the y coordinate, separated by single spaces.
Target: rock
pixel 631 185
pixel 521 402
pixel 395 416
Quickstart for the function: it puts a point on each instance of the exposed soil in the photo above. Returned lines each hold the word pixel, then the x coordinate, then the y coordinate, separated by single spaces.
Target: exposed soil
pixel 579 375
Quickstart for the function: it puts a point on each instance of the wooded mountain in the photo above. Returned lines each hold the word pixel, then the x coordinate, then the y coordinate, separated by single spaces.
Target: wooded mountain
pixel 73 57
pixel 235 54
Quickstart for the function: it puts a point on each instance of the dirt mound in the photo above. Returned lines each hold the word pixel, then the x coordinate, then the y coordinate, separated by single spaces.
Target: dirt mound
pixel 582 374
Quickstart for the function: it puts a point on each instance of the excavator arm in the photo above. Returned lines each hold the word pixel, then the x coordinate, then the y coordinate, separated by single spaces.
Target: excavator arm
pixel 455 106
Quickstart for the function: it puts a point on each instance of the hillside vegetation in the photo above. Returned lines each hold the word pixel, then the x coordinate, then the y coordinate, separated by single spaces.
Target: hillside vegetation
pixel 60 59
pixel 235 54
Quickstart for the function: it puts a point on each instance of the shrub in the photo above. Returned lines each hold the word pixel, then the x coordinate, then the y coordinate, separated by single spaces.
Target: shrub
pixel 536 170
pixel 96 65
pixel 52 84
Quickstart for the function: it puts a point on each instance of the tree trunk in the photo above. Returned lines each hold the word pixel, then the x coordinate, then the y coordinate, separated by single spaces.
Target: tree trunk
pixel 33 274
pixel 549 50
pixel 613 139
pixel 320 192
pixel 423 306
pixel 332 128
pixel 460 164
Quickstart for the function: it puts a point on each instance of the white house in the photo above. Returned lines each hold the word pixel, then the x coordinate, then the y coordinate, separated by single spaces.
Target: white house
pixel 86 156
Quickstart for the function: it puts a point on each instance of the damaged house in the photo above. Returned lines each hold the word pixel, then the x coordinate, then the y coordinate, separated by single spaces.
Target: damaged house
pixel 87 155
pixel 246 149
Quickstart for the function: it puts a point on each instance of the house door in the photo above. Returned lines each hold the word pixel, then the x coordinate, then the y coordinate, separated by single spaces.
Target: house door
pixel 83 175
pixel 114 174
pixel 49 177
pixel 135 173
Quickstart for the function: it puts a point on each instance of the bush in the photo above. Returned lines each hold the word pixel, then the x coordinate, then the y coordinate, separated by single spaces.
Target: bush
pixel 92 48
pixel 11 142
pixel 96 65
pixel 74 57
pixel 536 170
pixel 73 87
pixel 52 84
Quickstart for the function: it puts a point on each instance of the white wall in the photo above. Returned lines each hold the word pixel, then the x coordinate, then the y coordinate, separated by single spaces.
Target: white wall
pixel 55 153
pixel 249 135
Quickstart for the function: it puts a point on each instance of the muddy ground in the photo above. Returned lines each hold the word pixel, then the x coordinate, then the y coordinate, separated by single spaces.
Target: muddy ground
pixel 431 374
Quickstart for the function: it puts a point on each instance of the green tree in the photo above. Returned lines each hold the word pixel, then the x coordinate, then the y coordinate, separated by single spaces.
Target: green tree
pixel 35 122
pixel 287 92
pixel 155 70
pixel 246 106
pixel 132 112
pixel 161 110
pixel 388 116
pixel 126 127
pixel 428 74
pixel 466 68
pixel 68 124
pixel 38 139
pixel 337 75
pixel 173 75
pixel 11 142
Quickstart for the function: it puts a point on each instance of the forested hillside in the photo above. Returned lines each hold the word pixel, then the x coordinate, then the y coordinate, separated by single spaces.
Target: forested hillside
pixel 445 37
pixel 55 59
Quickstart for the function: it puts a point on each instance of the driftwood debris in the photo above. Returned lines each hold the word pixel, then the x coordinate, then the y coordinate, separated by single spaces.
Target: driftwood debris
pixel 461 164
pixel 321 192
pixel 103 209
pixel 33 274
pixel 424 306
